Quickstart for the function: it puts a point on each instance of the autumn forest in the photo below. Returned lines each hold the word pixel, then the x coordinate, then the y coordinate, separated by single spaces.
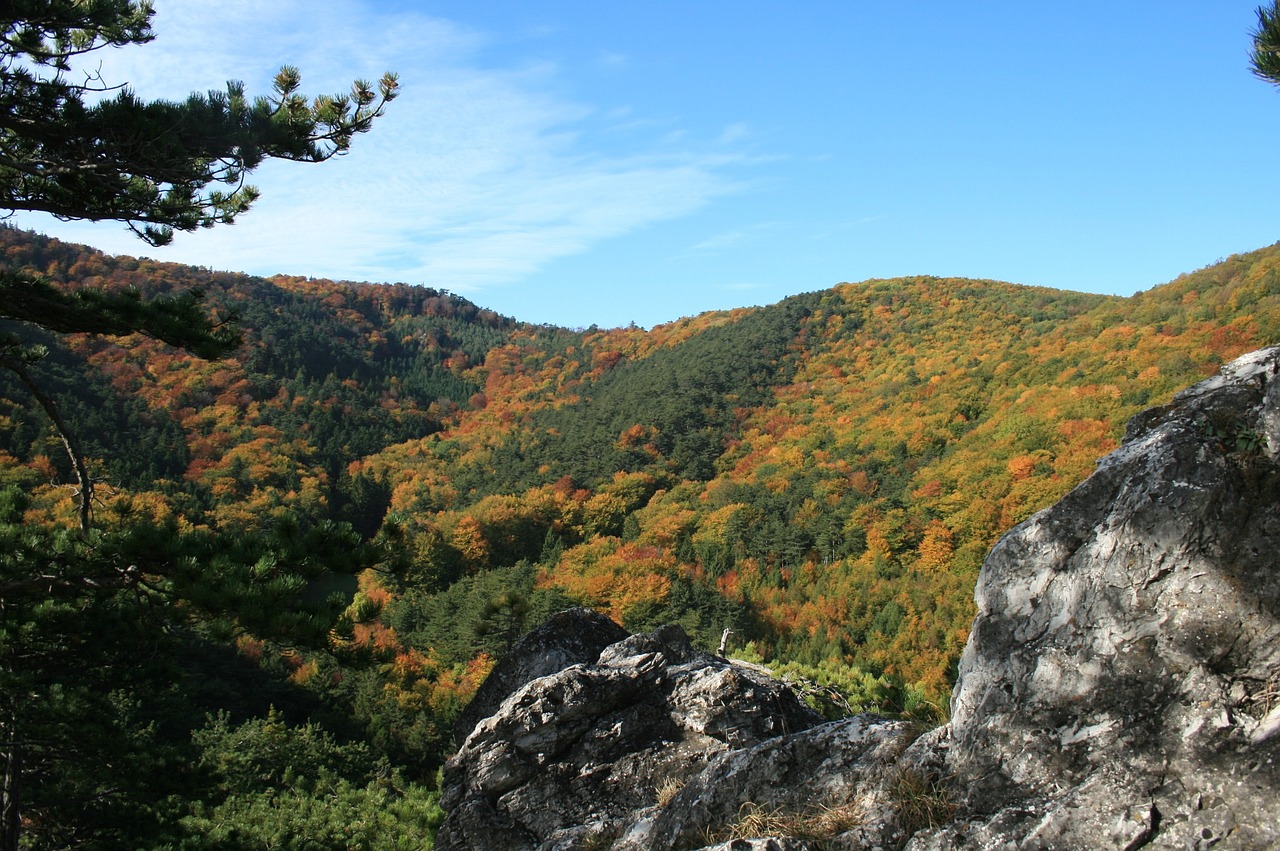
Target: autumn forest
pixel 319 545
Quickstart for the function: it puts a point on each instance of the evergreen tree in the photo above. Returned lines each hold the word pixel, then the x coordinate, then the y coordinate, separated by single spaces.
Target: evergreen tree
pixel 81 147
pixel 150 164
pixel 157 166
pixel 89 654
pixel 1265 56
pixel 177 320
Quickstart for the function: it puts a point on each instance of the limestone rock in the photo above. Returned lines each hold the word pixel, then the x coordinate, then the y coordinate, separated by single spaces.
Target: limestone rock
pixel 772 843
pixel 1119 688
pixel 841 765
pixel 574 754
pixel 574 637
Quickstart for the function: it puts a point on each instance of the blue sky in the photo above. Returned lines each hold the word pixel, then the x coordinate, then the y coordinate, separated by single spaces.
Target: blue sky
pixel 581 163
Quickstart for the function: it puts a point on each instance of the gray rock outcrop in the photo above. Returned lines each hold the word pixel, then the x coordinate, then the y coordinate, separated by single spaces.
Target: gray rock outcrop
pixel 1121 686
pixel 573 637
pixel 577 754
pixel 1120 690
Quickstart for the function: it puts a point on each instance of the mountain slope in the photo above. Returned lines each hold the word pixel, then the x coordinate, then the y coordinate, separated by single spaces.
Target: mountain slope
pixel 329 372
pixel 855 486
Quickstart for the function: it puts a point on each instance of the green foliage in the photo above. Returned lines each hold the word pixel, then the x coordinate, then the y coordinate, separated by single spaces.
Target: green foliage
pixel 304 370
pixel 130 441
pixel 701 610
pixel 837 689
pixel 414 734
pixel 687 396
pixel 483 613
pixel 179 320
pixel 1264 57
pixel 89 623
pixel 91 650
pixel 375 817
pixel 74 649
pixel 1234 436
pixel 269 753
pixel 263 584
pixel 276 785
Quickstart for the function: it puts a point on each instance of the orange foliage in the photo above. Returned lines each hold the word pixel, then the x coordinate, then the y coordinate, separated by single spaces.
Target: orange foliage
pixel 916 421
pixel 469 539
pixel 456 686
pixel 613 577
pixel 936 547
pixel 862 483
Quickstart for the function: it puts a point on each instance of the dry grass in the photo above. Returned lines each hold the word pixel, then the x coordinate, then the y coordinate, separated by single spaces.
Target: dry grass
pixel 816 823
pixel 1257 700
pixel 667 790
pixel 922 801
pixel 1269 697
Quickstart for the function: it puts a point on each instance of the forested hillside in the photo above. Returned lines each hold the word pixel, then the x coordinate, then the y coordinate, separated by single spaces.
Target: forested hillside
pixel 826 474
pixel 420 480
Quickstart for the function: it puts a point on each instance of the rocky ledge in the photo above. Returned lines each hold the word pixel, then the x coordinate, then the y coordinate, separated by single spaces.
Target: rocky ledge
pixel 1120 689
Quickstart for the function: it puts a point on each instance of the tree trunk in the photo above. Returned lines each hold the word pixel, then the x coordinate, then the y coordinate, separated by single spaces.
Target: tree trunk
pixel 69 441
pixel 10 798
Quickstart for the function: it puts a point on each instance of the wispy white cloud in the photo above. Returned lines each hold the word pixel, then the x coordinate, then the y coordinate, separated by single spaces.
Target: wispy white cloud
pixel 730 239
pixel 733 133
pixel 611 59
pixel 476 176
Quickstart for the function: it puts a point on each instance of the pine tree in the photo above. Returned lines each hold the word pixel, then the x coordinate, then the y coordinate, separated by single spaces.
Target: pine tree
pixel 78 146
pixel 1265 56
pixel 150 164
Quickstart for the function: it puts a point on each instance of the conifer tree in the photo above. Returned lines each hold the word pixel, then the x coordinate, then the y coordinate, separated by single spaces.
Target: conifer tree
pixel 1265 55
pixel 78 146
pixel 157 166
